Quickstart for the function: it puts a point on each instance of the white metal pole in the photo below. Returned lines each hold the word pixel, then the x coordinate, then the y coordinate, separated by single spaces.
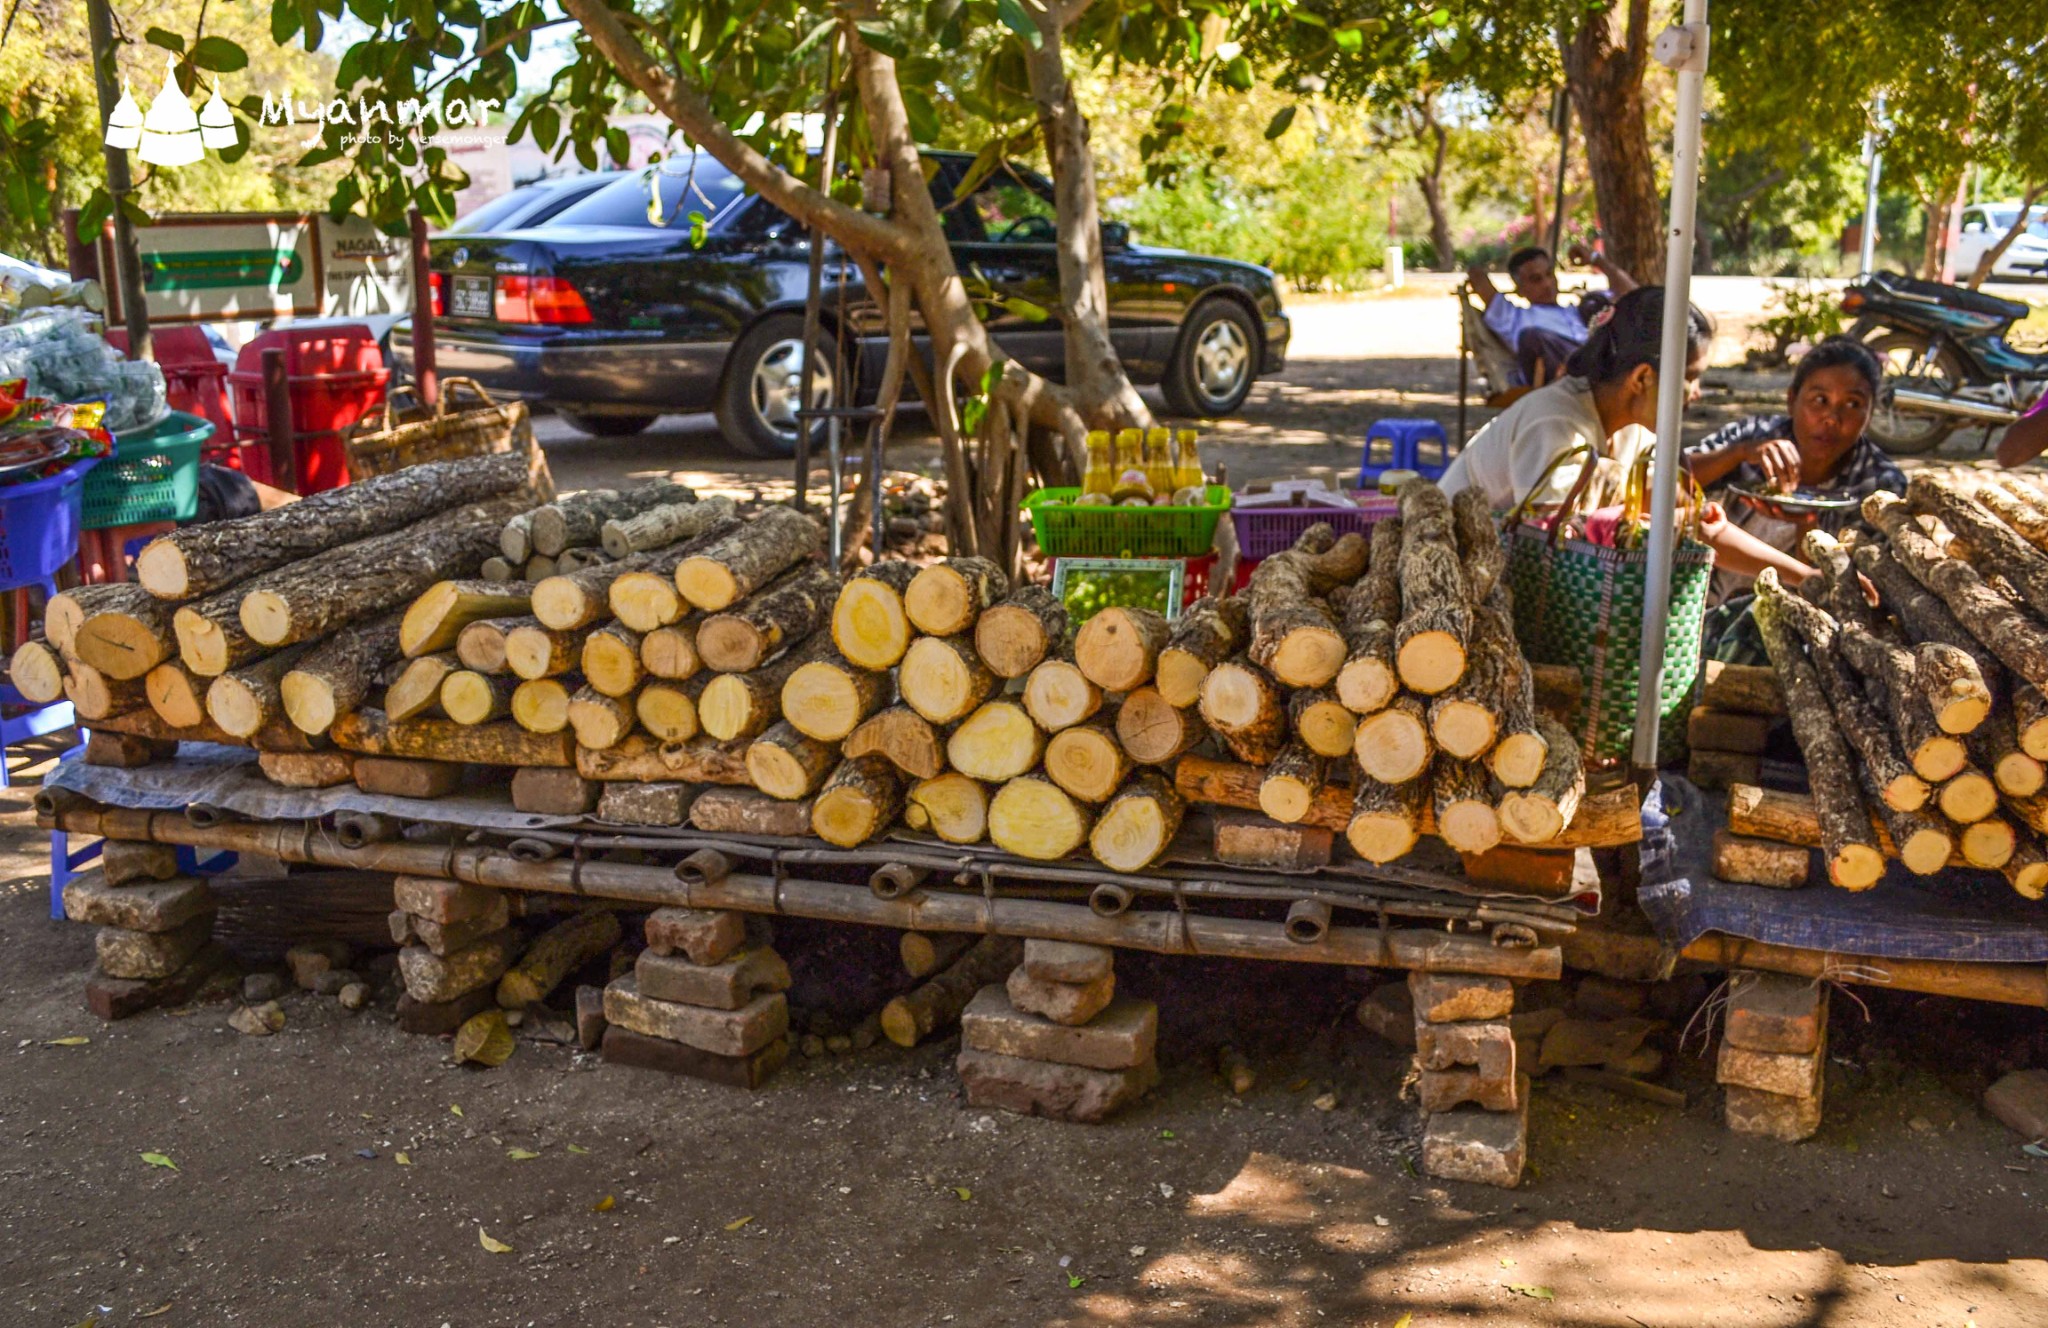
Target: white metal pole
pixel 1873 162
pixel 1686 51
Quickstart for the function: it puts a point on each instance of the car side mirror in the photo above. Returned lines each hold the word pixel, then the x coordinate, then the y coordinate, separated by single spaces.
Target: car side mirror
pixel 1116 235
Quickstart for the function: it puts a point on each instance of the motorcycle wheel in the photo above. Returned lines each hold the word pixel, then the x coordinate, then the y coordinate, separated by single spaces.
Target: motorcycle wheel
pixel 1901 354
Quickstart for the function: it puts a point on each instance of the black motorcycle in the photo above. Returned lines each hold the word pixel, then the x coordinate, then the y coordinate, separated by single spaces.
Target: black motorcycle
pixel 1946 361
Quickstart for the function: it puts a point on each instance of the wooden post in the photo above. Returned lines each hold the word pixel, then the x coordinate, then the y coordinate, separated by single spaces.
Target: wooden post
pixel 277 408
pixel 81 256
pixel 423 373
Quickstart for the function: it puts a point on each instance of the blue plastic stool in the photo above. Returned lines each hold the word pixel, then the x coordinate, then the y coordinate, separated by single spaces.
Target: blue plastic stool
pixel 34 722
pixel 1398 444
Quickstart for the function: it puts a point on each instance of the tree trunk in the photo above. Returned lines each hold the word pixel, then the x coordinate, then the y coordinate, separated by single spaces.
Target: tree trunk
pixel 1997 545
pixel 533 650
pixel 1465 720
pixel 730 569
pixel 94 695
pixel 917 1014
pixel 2015 637
pixel 1919 610
pixel 124 634
pixel 481 645
pixel 1372 610
pixel 555 954
pixel 661 525
pixel 740 705
pixel 179 697
pixel 858 802
pixel 1013 636
pixel 995 743
pixel 1209 632
pixel 1138 826
pixel 37 671
pixel 1293 632
pixel 1436 141
pixel 1291 783
pixel 200 560
pixel 335 676
pixel 1604 59
pixel 247 700
pixel 646 597
pixel 577 521
pixel 670 652
pixel 1990 257
pixel 745 636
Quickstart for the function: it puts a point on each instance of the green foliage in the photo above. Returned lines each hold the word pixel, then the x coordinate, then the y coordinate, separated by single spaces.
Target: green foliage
pixel 1806 313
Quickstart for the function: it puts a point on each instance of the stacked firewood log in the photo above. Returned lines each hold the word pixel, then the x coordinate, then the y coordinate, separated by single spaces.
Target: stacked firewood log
pixel 1921 716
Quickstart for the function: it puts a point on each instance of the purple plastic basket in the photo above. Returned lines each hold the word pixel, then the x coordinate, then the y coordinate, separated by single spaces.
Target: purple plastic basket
pixel 1265 531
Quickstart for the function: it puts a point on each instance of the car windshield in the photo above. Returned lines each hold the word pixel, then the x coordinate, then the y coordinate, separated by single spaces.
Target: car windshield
pixel 709 189
pixel 2037 220
pixel 492 214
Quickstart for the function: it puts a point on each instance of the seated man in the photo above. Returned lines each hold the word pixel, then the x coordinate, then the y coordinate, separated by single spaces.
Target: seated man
pixel 1541 332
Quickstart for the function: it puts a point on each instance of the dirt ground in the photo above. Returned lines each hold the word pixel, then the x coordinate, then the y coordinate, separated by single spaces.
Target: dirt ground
pixel 342 1173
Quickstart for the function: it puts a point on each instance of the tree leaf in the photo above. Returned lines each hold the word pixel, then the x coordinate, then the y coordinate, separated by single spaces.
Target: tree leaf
pixel 812 38
pixel 578 1149
pixel 738 1222
pixel 483 1238
pixel 964 1193
pixel 454 1110
pixel 521 1154
pixel 1238 75
pixel 1025 309
pixel 159 1160
pixel 73 1041
pixel 700 228
pixel 1011 12
pixel 1532 1292
pixel 402 1159
pixel 169 41
pixel 604 1205
pixel 1282 119
pixel 881 39
pixel 218 55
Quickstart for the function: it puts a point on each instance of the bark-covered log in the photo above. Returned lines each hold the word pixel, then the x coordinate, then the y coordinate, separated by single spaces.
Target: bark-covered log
pixel 1393 744
pixel 37 671
pixel 2030 718
pixel 1436 618
pixel 1746 689
pixel 1759 861
pixel 868 622
pixel 902 735
pixel 788 764
pixel 610 659
pixel 952 806
pixel 917 1014
pixel 1919 610
pixel 1995 543
pixel 1995 747
pixel 648 760
pixel 1372 611
pixel 1034 818
pixel 644 596
pixel 1849 850
pixel 2026 871
pixel 1479 546
pixel 1464 720
pixel 740 705
pixel 2017 505
pixel 94 695
pixel 663 524
pixel 1933 754
pixel 435 620
pixel 178 695
pixel 498 570
pixel 1868 733
pixel 736 565
pixel 416 691
pixel 125 634
pixel 1292 782
pixel 146 723
pixel 1953 686
pixel 1540 813
pixel 68 610
pixel 599 721
pixel 995 743
pixel 2017 638
pixel 943 679
pixel 1466 818
pixel 541 705
pixel 1293 632
pixel 748 811
pixel 827 698
pixel 569 601
pixel 338 674
pixel 1386 819
pixel 1836 588
pixel 1970 796
pixel 671 652
pixel 515 541
pixel 247 700
pixel 1138 826
pixel 1058 695
pixel 1209 632
pixel 750 633
pixel 1028 626
pixel 668 710
pixel 1243 708
pixel 858 802
pixel 368 733
pixel 1521 747
pixel 555 954
pixel 481 645
pixel 1154 732
pixel 1988 844
pixel 1118 648
pixel 210 636
pixel 534 650
pixel 469 697
pixel 1087 760
pixel 577 520
pixel 946 598
pixel 1323 722
pixel 202 559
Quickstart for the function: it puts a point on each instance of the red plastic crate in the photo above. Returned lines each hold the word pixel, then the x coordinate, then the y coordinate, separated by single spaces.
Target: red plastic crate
pixel 335 375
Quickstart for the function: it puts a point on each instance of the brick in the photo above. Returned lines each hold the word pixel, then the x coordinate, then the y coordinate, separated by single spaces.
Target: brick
pixel 403 777
pixel 150 954
pixel 445 938
pixel 1441 1090
pixel 2020 1100
pixel 436 978
pixel 150 906
pixel 550 791
pixel 707 936
pixel 1041 1088
pixel 1488 1047
pixel 1443 998
pixel 1771 1115
pixel 1067 961
pixel 1122 1037
pixel 738 1032
pixel 439 900
pixel 113 998
pixel 1776 1012
pixel 126 861
pixel 1389 1011
pixel 1071 1003
pixel 1257 842
pixel 590 1020
pixel 728 985
pixel 1771 1071
pixel 647 804
pixel 1484 1147
pixel 442 1018
pixel 637 1050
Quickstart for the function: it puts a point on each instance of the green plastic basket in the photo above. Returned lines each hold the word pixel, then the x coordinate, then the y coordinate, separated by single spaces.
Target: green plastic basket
pixel 152 476
pixel 1067 530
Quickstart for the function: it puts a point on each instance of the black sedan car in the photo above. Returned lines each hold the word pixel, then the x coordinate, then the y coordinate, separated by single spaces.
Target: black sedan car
pixel 613 317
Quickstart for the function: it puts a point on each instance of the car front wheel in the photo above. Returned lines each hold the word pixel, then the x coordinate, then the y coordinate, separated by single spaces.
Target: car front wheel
pixel 762 390
pixel 1214 361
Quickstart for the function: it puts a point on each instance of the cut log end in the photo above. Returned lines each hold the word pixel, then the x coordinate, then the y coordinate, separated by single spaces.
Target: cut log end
pixel 1431 662
pixel 1138 826
pixel 266 617
pixel 995 743
pixel 1926 850
pixel 1968 798
pixel 160 567
pixel 1381 836
pixel 1087 761
pixel 1988 844
pixel 541 705
pixel 1938 758
pixel 1179 677
pixel 1033 818
pixel 1471 826
pixel 857 803
pixel 308 702
pixel 1327 726
pixel 1856 867
pixel 1366 685
pixel 1962 714
pixel 707 583
pixel 1517 759
pixel 1059 696
pixel 951 806
pixel 1308 657
pixel 1392 745
pixel 1464 728
pixel 869 625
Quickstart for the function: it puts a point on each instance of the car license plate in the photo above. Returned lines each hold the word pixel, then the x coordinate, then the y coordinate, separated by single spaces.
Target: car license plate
pixel 472 298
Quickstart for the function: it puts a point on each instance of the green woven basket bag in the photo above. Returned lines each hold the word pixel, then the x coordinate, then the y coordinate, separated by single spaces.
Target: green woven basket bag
pixel 1580 604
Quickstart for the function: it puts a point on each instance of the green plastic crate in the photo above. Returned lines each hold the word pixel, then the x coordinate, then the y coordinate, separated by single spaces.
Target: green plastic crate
pixel 152 476
pixel 1066 529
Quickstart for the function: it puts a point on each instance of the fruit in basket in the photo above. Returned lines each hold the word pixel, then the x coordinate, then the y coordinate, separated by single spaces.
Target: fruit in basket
pixel 1094 500
pixel 1191 495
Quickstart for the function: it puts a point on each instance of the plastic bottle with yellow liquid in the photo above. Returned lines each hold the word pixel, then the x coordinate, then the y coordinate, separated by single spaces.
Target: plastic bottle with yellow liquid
pixel 1187 462
pixel 1132 484
pixel 1159 463
pixel 1100 477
